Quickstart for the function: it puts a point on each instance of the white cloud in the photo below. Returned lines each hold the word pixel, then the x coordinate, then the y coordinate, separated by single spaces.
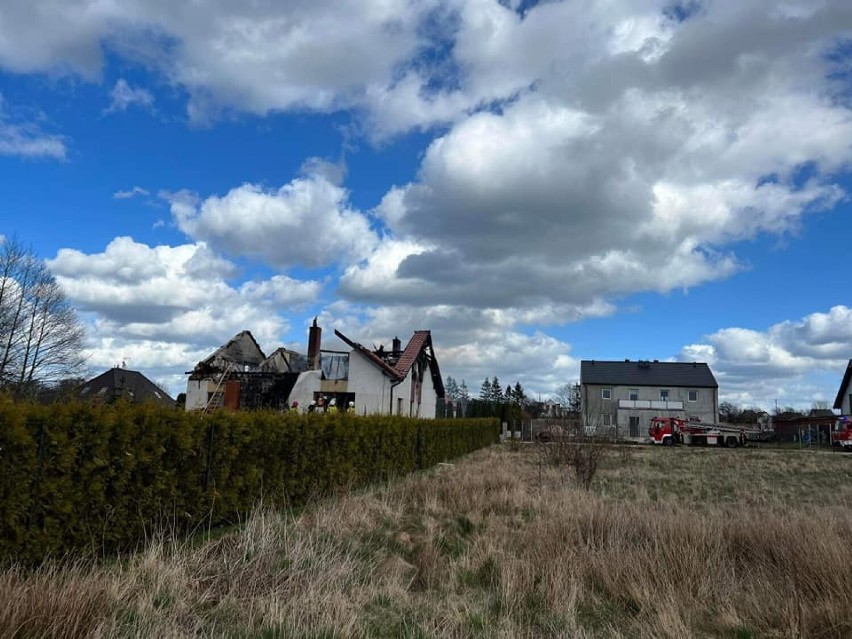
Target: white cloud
pixel 257 57
pixel 306 222
pixel 26 138
pixel 792 361
pixel 123 96
pixel 580 188
pixel 180 294
pixel 126 195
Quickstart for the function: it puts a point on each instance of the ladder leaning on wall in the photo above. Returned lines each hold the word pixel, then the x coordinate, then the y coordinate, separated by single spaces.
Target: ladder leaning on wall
pixel 217 397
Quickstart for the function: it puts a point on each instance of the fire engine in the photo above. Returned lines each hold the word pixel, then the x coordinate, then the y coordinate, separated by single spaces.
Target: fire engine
pixel 842 433
pixel 668 431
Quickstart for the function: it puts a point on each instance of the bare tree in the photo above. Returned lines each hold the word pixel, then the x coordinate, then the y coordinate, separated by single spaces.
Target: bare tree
pixel 41 338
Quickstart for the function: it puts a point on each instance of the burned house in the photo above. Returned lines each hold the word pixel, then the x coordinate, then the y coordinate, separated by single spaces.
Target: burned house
pixel 239 375
pixel 400 380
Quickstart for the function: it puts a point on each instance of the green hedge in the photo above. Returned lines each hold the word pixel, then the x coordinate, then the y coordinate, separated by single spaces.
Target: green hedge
pixel 97 479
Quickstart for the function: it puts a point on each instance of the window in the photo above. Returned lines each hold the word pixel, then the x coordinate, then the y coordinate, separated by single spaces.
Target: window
pixel 606 393
pixel 664 394
pixel 607 419
pixel 633 394
pixel 692 396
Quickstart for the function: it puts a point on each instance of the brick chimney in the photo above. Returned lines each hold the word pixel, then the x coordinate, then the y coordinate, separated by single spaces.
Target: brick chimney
pixel 314 343
pixel 397 347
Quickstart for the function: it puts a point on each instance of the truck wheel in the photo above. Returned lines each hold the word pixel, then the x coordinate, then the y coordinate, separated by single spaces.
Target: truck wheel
pixel 732 442
pixel 667 441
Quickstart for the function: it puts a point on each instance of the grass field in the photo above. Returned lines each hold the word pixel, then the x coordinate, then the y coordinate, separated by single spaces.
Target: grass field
pixel 665 543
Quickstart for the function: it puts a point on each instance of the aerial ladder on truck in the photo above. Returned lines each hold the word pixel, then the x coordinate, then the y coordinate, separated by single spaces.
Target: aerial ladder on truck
pixel 668 431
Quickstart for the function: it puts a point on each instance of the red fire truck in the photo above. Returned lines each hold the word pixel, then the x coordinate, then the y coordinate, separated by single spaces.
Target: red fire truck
pixel 842 433
pixel 668 431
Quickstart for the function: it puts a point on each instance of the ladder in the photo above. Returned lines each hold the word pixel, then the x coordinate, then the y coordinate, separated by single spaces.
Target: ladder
pixel 217 398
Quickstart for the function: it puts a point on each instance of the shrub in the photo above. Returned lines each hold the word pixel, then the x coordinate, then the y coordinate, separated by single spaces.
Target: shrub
pixel 80 477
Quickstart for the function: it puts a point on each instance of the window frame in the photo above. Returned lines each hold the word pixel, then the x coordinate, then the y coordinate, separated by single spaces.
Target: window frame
pixel 606 420
pixel 689 395
pixel 633 394
pixel 666 397
pixel 605 392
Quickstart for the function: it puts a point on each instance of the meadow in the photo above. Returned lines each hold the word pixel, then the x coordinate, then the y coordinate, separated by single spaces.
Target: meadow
pixel 503 542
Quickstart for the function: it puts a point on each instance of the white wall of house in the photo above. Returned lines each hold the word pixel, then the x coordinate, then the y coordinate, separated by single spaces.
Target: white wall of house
pixel 409 405
pixel 303 390
pixel 846 402
pixel 197 393
pixel 429 398
pixel 372 388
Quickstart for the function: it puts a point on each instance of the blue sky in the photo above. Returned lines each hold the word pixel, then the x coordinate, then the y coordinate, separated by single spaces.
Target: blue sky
pixel 537 183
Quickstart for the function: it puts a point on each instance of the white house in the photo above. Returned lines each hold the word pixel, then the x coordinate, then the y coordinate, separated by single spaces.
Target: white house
pixel 400 381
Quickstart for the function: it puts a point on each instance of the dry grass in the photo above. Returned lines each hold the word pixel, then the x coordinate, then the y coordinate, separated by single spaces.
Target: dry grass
pixel 666 543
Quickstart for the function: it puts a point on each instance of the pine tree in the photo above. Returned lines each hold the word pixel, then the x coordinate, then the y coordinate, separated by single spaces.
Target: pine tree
pixel 451 389
pixel 496 390
pixel 464 392
pixel 485 392
pixel 518 395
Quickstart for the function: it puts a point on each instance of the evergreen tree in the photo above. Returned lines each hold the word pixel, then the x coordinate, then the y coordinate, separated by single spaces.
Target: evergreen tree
pixel 509 395
pixel 485 392
pixel 451 389
pixel 496 390
pixel 464 392
pixel 518 394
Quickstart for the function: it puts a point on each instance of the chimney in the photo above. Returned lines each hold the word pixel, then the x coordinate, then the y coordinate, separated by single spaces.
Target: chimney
pixel 397 347
pixel 314 342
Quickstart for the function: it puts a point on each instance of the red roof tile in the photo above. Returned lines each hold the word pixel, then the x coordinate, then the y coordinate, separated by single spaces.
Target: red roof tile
pixel 412 350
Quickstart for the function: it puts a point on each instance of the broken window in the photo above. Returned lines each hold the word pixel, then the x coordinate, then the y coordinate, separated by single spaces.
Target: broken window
pixel 335 366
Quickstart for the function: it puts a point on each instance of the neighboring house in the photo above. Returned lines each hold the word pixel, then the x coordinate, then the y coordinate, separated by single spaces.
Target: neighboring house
pixel 121 383
pixel 621 398
pixel 843 402
pixel 400 381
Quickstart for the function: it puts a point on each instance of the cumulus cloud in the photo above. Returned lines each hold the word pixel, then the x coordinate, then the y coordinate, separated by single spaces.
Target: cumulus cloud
pixel 307 222
pixel 257 57
pixel 123 96
pixel 580 188
pixel 791 361
pixel 25 138
pixel 181 294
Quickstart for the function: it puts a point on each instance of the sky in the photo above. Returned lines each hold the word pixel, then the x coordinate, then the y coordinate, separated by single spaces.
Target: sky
pixel 536 183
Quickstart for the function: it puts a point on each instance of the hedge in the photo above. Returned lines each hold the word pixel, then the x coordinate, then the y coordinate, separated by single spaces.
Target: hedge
pixel 99 479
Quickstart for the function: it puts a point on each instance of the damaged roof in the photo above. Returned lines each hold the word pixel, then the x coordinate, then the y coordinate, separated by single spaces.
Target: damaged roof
pixel 241 349
pixel 421 341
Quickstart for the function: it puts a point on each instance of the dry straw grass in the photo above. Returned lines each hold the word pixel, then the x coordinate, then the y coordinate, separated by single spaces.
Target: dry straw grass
pixel 665 543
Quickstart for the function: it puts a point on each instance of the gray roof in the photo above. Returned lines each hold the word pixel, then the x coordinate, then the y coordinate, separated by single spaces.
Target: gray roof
pixel 844 384
pixel 119 383
pixel 645 373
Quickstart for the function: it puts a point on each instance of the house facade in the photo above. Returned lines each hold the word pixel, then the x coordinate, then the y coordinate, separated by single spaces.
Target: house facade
pixel 619 398
pixel 843 401
pixel 399 381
